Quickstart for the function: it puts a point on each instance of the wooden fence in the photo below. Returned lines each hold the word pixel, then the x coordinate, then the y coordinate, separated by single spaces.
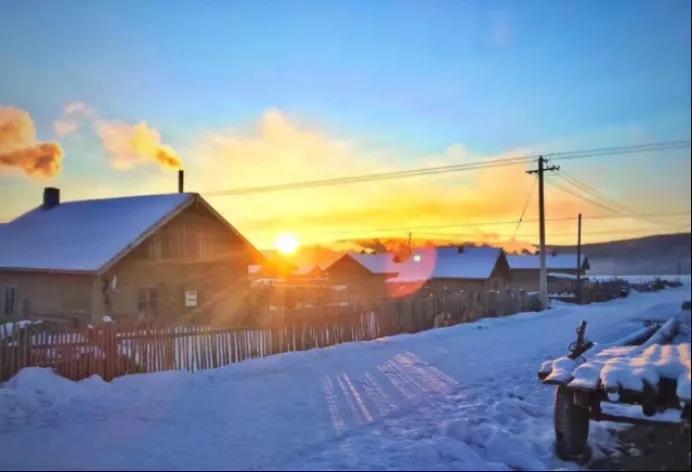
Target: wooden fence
pixel 111 350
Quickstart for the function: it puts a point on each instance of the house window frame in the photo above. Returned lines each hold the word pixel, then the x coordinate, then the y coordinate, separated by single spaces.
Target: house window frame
pixel 8 309
pixel 148 301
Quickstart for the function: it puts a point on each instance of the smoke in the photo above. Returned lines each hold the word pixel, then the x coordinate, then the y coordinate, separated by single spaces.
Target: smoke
pixel 20 148
pixel 128 145
pixel 132 145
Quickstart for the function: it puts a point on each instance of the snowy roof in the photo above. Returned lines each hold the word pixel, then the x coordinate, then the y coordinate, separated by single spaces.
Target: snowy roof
pixel 562 275
pixel 375 263
pixel 83 236
pixel 476 263
pixel 557 262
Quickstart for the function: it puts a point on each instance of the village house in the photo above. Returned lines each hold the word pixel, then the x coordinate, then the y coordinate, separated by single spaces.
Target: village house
pixel 561 268
pixel 153 257
pixel 447 269
pixel 362 273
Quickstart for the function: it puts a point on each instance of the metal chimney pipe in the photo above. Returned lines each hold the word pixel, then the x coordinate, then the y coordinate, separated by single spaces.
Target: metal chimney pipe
pixel 181 180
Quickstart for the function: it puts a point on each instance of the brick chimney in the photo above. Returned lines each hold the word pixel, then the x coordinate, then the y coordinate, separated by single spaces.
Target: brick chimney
pixel 51 197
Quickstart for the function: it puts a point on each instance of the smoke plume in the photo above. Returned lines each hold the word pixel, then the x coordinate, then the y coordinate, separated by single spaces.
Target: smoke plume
pixel 129 145
pixel 20 148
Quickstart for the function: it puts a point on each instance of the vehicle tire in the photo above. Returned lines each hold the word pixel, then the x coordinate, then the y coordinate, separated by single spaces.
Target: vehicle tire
pixel 571 426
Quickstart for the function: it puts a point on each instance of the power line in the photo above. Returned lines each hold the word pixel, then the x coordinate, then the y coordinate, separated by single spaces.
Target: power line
pixel 599 196
pixel 505 222
pixel 592 191
pixel 582 196
pixel 475 165
pixel 422 228
pixel 678 228
pixel 526 205
pixel 616 150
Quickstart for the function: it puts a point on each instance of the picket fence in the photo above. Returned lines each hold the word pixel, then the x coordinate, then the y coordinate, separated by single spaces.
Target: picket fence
pixel 111 350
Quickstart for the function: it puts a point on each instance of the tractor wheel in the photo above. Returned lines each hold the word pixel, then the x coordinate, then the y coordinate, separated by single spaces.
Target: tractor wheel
pixel 571 426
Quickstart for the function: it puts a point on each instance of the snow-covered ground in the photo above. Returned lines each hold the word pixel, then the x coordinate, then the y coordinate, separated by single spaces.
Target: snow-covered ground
pixel 461 397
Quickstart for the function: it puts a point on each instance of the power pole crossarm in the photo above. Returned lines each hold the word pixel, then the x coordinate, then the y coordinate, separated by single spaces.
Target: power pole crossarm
pixel 543 276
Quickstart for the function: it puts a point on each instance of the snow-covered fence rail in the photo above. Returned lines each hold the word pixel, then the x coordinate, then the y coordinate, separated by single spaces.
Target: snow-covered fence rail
pixel 111 350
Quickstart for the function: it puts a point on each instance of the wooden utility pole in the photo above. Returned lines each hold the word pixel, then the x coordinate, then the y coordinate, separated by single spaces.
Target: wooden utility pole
pixel 410 248
pixel 579 261
pixel 543 276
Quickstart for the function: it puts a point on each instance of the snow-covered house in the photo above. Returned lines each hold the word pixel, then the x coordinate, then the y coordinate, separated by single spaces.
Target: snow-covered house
pixel 365 274
pixel 155 256
pixel 525 268
pixel 471 269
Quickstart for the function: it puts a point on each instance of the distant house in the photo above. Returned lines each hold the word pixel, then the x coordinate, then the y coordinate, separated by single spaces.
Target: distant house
pixel 471 269
pixel 526 268
pixel 309 272
pixel 148 257
pixel 364 274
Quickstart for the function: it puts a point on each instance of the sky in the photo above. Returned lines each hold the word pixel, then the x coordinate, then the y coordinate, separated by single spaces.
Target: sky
pixel 117 95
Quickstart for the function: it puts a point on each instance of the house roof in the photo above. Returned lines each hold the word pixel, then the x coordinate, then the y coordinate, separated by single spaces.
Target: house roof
pixel 374 263
pixel 313 270
pixel 87 235
pixel 557 262
pixel 472 263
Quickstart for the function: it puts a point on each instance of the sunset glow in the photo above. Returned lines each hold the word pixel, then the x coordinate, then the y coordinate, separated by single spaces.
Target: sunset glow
pixel 286 243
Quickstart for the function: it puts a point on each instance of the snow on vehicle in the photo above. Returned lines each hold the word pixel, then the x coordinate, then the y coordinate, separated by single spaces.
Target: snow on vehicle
pixel 649 368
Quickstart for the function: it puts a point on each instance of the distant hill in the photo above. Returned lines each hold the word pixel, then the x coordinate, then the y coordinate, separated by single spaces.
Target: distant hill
pixel 659 254
pixel 640 256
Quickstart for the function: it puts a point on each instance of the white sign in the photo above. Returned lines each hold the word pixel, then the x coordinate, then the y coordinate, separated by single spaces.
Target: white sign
pixel 190 297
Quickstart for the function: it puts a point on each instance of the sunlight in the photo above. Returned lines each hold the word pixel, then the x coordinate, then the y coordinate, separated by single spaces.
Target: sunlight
pixel 286 243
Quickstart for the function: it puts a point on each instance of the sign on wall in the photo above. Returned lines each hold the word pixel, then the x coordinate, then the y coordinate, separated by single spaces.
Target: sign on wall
pixel 190 297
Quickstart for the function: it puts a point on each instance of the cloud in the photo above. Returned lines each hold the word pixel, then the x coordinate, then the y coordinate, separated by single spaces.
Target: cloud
pixel 74 114
pixel 129 145
pixel 279 149
pixel 20 148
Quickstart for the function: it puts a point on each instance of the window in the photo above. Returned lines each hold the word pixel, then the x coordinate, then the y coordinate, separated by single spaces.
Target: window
pixel 9 300
pixel 148 301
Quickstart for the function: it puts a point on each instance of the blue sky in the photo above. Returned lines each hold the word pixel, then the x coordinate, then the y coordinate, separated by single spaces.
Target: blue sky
pixel 411 78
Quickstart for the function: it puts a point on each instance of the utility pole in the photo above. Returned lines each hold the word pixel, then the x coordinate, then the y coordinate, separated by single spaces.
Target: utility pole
pixel 410 248
pixel 579 261
pixel 543 276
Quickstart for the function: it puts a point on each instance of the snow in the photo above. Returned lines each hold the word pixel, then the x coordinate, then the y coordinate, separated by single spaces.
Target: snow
pixel 557 262
pixel 461 397
pixel 669 415
pixel 6 329
pixel 375 263
pixel 82 235
pixel 475 263
pixel 615 366
pixel 559 275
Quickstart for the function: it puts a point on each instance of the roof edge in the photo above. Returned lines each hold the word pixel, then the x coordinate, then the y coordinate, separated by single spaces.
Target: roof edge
pixel 136 242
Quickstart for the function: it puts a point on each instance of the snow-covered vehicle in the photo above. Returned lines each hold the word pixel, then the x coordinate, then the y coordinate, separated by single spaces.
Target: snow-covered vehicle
pixel 649 368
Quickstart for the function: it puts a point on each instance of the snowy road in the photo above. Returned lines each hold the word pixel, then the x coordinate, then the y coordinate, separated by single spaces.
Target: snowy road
pixel 453 398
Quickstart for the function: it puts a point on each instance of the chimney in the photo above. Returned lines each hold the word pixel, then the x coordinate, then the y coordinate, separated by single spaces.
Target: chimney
pixel 181 180
pixel 51 197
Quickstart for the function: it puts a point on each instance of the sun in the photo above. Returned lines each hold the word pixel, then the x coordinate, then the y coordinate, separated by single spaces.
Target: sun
pixel 286 243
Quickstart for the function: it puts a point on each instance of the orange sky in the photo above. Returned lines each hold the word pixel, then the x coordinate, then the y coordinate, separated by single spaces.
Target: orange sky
pixel 278 149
